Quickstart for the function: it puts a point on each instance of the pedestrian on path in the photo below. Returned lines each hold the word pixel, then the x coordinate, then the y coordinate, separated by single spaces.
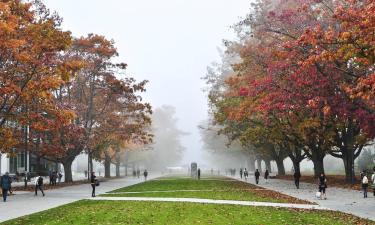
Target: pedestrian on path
pixel 39 185
pixel 297 176
pixel 5 183
pixel 199 174
pixel 257 175
pixel 60 177
pixel 245 173
pixel 373 181
pixel 241 173
pixel 266 175
pixel 93 183
pixel 145 174
pixel 365 185
pixel 322 186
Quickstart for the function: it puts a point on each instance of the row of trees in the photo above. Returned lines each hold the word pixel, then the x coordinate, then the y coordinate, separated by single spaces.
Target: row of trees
pixel 60 95
pixel 299 82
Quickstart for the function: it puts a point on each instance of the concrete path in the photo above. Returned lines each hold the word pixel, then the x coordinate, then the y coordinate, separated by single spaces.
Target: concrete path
pixel 210 201
pixel 338 199
pixel 25 203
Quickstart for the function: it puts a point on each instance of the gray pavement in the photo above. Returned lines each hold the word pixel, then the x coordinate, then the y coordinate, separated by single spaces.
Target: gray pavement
pixel 338 199
pixel 25 203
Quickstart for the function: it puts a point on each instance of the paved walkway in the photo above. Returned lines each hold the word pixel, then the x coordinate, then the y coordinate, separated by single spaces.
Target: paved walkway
pixel 25 203
pixel 210 201
pixel 338 199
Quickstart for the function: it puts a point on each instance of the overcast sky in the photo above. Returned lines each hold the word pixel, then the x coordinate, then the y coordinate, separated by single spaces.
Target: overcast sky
pixel 168 42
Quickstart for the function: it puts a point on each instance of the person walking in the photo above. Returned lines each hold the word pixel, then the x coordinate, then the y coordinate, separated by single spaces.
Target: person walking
pixel 266 175
pixel 322 186
pixel 297 176
pixel 5 183
pixel 60 177
pixel 93 183
pixel 245 173
pixel 145 174
pixel 241 173
pixel 39 185
pixel 257 175
pixel 199 174
pixel 364 185
pixel 50 177
pixel 373 181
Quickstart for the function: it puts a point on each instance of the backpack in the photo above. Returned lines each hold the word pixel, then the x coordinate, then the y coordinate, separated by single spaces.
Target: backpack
pixel 40 181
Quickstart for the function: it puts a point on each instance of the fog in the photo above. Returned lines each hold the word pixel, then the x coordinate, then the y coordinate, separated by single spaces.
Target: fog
pixel 168 42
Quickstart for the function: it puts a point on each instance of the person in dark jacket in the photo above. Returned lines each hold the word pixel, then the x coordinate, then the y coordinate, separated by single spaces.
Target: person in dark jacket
pixel 241 172
pixel 5 184
pixel 257 175
pixel 266 175
pixel 93 183
pixel 199 174
pixel 322 186
pixel 145 174
pixel 297 176
pixel 39 185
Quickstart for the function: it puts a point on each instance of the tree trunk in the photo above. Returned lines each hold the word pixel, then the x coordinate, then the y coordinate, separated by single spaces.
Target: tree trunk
pixel 348 160
pixel 68 170
pixel 38 164
pixel 297 166
pixel 280 166
pixel 251 163
pixel 117 168
pixel 107 167
pixel 318 166
pixel 126 170
pixel 259 165
pixel 268 165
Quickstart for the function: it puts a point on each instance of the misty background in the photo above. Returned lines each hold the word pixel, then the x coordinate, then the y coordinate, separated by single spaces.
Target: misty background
pixel 168 42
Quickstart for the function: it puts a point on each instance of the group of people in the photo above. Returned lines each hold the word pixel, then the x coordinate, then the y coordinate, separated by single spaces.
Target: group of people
pixel 54 176
pixel 245 174
pixel 231 172
pixel 136 173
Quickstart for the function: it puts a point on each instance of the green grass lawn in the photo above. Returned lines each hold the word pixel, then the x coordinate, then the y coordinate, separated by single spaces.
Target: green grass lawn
pixel 216 188
pixel 121 212
pixel 223 195
pixel 175 183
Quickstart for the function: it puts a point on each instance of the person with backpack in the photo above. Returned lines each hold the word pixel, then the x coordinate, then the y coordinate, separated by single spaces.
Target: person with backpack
pixel 5 184
pixel 145 174
pixel 257 175
pixel 266 175
pixel 39 185
pixel 322 181
pixel 93 182
pixel 364 185
pixel 245 173
pixel 297 176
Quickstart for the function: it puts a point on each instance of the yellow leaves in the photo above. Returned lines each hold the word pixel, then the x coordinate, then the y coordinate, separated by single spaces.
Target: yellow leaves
pixel 345 36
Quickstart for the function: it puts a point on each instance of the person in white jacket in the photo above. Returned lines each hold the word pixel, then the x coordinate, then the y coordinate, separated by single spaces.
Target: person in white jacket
pixel 365 185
